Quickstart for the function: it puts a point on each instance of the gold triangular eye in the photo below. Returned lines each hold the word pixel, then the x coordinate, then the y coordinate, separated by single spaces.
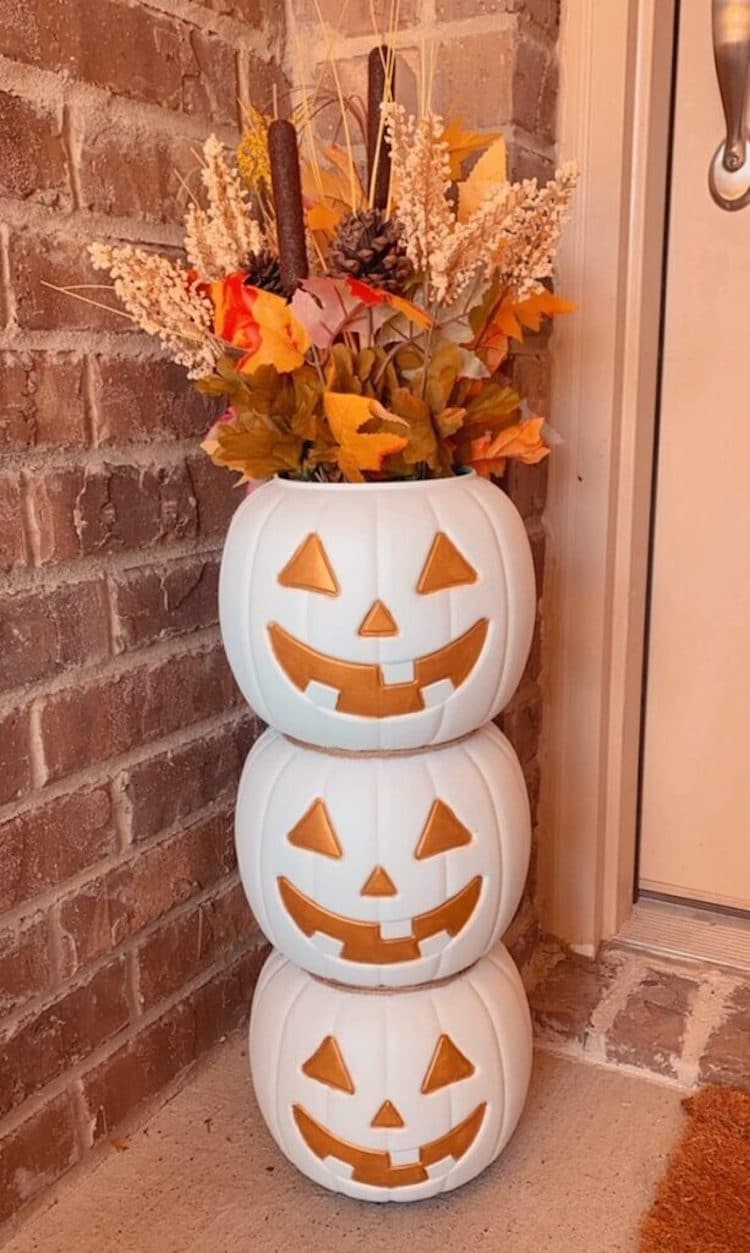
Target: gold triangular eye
pixel 443 831
pixel 310 569
pixel 445 567
pixel 328 1066
pixel 315 832
pixel 448 1065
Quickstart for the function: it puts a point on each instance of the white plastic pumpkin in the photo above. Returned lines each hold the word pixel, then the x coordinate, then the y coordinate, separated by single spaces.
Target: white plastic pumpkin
pixel 377 616
pixel 391 1096
pixel 383 871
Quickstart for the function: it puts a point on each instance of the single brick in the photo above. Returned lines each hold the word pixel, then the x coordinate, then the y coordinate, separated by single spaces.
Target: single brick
pixel 474 77
pixel 15 756
pixel 106 911
pixel 154 603
pixel 727 1055
pixel 13 546
pixel 137 401
pixel 650 1028
pixel 39 260
pixel 535 83
pixel 562 1004
pixel 36 1153
pixel 133 172
pixel 41 400
pixel 43 1046
pixel 82 511
pixel 209 84
pixel 90 723
pixel 168 788
pixel 215 495
pixel 48 843
pixel 177 951
pixel 25 966
pixel 43 633
pixel 34 165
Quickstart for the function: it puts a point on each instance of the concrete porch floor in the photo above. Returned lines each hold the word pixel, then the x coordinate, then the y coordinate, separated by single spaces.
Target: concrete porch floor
pixel 202 1175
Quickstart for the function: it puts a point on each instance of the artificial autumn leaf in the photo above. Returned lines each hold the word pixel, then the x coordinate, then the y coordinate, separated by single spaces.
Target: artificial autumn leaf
pixel 450 421
pixel 360 450
pixel 523 441
pixel 256 450
pixel 512 316
pixel 422 443
pixel 441 375
pixel 492 405
pixel 462 143
pixel 489 172
pixel 258 322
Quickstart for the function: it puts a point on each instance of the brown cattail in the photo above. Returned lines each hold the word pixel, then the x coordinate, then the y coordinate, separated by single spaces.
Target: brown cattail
pixel 381 70
pixel 287 195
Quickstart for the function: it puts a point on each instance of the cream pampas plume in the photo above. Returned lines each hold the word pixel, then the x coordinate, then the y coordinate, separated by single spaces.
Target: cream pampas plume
pixel 161 300
pixel 221 238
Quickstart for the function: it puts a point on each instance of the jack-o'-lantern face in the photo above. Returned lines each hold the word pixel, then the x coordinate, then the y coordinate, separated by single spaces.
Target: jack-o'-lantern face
pixel 365 941
pixel 383 873
pixel 362 688
pixel 377 619
pixel 392 1095
pixel 377 1167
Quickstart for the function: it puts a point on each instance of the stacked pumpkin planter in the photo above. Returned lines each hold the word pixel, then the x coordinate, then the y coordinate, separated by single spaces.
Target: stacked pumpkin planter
pixel 382 822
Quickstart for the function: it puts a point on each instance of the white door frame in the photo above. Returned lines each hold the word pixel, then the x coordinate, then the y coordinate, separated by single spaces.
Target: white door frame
pixel 616 72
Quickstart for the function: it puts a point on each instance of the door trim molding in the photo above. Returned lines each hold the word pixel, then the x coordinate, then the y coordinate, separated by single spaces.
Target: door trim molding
pixel 616 73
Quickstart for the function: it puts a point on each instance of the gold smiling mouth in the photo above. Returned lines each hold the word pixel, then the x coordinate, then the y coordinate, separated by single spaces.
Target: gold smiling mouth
pixel 363 942
pixel 362 688
pixel 374 1166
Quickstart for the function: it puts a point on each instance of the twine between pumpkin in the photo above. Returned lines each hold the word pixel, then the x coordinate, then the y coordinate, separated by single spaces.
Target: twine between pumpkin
pixel 360 753
pixel 386 991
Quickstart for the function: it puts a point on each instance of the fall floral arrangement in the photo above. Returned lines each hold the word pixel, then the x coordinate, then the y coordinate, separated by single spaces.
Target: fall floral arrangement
pixel 358 324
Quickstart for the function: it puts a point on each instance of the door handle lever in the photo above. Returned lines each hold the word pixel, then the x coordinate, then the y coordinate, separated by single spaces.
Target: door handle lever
pixel 729 172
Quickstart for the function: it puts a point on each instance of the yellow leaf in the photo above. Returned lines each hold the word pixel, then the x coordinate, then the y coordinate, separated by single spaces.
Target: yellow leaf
pixel 359 450
pixel 488 173
pixel 462 142
pixel 324 217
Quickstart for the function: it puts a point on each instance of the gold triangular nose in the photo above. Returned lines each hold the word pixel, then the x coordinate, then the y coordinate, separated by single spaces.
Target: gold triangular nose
pixel 379 883
pixel 387 1116
pixel 379 621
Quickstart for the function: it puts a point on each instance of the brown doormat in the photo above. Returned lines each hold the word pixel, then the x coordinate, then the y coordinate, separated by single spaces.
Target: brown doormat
pixel 703 1202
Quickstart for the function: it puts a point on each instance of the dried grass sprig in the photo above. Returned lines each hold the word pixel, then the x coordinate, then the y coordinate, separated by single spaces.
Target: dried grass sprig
pixel 159 297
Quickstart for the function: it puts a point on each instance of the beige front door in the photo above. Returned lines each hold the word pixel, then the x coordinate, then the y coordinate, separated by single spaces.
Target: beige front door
pixel 695 812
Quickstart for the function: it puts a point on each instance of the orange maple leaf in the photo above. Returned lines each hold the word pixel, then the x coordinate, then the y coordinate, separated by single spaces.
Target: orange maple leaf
pixel 512 316
pixel 523 440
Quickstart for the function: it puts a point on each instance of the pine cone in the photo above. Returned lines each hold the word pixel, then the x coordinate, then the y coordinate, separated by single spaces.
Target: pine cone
pixel 368 245
pixel 263 271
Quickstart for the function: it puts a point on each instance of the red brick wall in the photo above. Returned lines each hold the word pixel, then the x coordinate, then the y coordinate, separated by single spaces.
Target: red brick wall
pixel 126 947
